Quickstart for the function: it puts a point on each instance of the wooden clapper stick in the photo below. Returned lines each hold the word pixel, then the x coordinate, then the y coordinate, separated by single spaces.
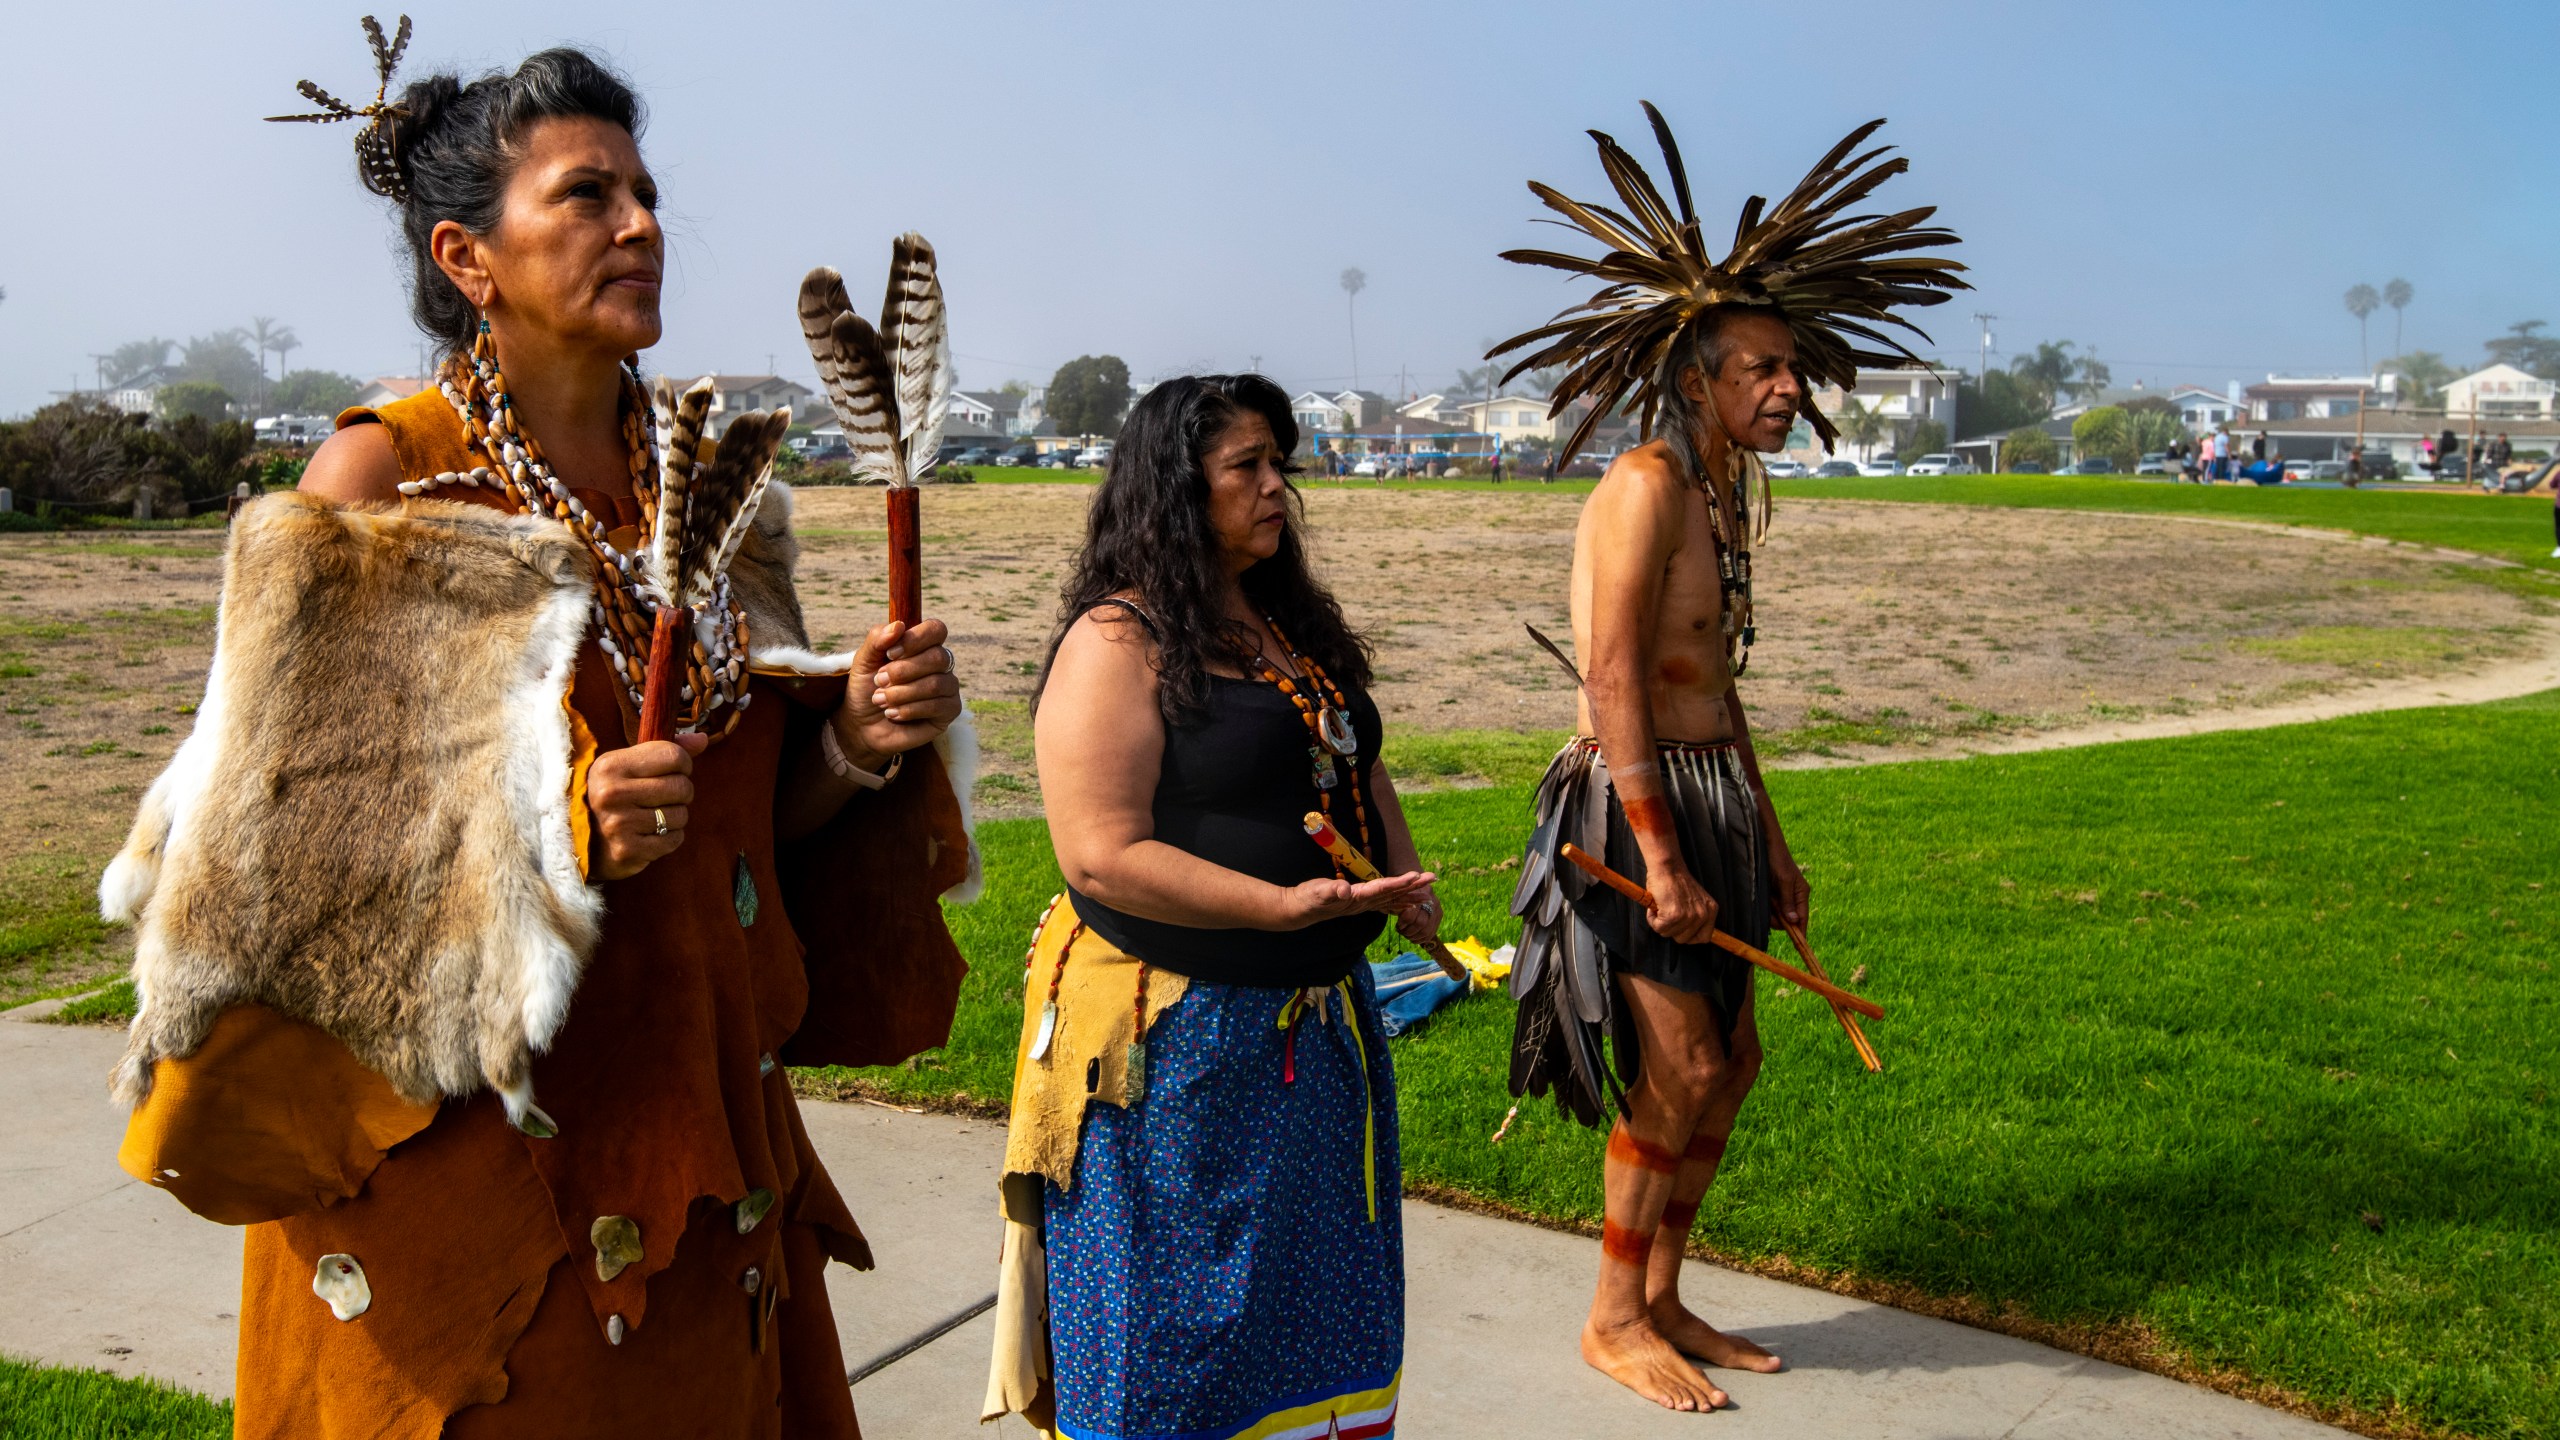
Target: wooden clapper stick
pixel 1348 856
pixel 1839 998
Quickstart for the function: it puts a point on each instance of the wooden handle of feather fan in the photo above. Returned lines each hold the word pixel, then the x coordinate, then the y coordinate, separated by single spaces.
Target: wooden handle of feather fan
pixel 906 557
pixel 658 691
pixel 1762 958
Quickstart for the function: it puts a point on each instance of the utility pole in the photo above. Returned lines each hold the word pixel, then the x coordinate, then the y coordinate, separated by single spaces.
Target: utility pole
pixel 1985 376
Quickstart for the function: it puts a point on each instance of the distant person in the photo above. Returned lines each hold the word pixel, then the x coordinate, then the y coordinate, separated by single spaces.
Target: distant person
pixel 2355 466
pixel 2258 447
pixel 2427 456
pixel 2555 522
pixel 2448 445
pixel 1494 467
pixel 2500 451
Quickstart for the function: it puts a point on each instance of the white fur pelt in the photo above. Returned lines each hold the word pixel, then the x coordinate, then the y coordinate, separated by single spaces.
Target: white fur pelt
pixel 369 827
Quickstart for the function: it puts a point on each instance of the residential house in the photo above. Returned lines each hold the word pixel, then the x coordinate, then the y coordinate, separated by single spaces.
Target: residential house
pixel 2314 397
pixel 383 389
pixel 1905 395
pixel 2501 392
pixel 2203 409
pixel 735 395
pixel 1363 408
pixel 1510 418
pixel 1319 414
pixel 1435 408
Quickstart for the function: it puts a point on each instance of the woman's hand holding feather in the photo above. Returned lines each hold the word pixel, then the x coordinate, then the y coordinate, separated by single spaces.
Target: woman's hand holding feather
pixel 901 694
pixel 628 790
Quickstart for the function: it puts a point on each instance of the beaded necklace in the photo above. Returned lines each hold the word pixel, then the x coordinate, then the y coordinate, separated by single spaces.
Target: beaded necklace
pixel 626 600
pixel 1333 748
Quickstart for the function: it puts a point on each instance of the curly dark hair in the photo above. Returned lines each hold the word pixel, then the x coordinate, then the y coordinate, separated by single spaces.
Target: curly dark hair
pixel 1147 537
pixel 457 145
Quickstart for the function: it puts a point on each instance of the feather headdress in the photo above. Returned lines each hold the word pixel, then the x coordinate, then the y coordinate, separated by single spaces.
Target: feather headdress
pixel 377 159
pixel 890 387
pixel 1835 279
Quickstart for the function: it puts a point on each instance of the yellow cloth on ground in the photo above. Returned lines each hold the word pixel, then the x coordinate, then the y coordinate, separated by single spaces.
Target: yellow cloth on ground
pixel 1087 1060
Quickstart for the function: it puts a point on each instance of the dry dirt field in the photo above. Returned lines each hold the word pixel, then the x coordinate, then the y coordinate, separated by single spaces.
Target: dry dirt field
pixel 1884 628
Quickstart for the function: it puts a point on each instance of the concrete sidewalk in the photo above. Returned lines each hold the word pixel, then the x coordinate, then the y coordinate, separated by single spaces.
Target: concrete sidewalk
pixel 103 1272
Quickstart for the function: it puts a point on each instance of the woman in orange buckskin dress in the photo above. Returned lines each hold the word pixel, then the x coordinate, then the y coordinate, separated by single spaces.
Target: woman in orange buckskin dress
pixel 656 1266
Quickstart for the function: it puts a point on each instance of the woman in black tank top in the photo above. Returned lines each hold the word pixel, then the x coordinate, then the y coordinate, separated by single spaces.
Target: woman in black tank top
pixel 1203 696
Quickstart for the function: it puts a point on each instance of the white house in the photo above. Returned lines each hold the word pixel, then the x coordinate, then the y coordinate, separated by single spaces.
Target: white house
pixel 1319 413
pixel 383 389
pixel 2316 397
pixel 2203 409
pixel 1364 407
pixel 735 395
pixel 2501 392
pixel 1911 393
pixel 1435 409
pixel 1509 418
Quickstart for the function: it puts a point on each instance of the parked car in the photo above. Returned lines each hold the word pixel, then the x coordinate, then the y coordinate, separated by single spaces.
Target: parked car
pixel 2325 470
pixel 1062 458
pixel 2155 463
pixel 974 455
pixel 1785 469
pixel 1881 465
pixel 2030 467
pixel 2093 465
pixel 1020 456
pixel 2378 465
pixel 1097 457
pixel 1940 465
pixel 1836 470
pixel 2297 469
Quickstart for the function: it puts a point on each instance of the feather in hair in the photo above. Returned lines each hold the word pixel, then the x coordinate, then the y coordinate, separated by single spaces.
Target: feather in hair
pixel 1834 278
pixel 915 336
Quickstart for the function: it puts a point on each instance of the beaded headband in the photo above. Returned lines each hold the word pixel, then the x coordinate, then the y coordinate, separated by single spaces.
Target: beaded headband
pixel 376 157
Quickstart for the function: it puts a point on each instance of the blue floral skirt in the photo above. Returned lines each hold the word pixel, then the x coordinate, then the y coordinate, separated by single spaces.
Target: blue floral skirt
pixel 1230 1263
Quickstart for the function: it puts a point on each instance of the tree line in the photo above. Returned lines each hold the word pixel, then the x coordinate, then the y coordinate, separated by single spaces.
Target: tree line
pixel 214 376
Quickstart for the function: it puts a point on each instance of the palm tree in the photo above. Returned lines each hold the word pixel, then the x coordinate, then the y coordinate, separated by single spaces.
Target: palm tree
pixel 1353 282
pixel 2424 375
pixel 1860 425
pixel 2047 371
pixel 2396 295
pixel 2363 301
pixel 284 342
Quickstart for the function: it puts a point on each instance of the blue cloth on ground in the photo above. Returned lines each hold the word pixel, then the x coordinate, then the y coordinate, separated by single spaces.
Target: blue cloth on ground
pixel 1410 987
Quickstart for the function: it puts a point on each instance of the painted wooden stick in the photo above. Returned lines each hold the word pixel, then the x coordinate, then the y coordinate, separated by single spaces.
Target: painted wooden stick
pixel 906 557
pixel 1722 941
pixel 1848 1022
pixel 658 689
pixel 1348 856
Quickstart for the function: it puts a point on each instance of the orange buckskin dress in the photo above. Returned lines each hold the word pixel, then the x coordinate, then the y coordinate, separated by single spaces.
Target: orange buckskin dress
pixel 490 1315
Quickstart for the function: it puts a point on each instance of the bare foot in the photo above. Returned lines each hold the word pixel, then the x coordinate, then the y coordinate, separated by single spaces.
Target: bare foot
pixel 1692 1336
pixel 1631 1353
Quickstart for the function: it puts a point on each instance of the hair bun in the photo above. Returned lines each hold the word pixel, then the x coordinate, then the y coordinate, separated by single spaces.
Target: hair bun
pixel 386 152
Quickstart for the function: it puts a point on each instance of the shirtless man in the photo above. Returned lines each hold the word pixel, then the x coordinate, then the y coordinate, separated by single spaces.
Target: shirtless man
pixel 1716 355
pixel 1648 616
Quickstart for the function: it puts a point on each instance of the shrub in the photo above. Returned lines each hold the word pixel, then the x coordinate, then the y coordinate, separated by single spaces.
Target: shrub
pixel 2029 445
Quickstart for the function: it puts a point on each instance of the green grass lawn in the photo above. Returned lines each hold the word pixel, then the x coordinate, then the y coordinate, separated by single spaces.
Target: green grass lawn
pixel 2241 1040
pixel 41 1403
pixel 2511 527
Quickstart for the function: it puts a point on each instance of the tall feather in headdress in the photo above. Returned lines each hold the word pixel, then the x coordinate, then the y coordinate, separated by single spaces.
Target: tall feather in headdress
pixel 1833 277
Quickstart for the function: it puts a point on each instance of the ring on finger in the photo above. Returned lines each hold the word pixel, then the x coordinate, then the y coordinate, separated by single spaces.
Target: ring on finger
pixel 662 820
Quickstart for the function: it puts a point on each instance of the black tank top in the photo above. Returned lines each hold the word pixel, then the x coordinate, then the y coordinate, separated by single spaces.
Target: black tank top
pixel 1234 790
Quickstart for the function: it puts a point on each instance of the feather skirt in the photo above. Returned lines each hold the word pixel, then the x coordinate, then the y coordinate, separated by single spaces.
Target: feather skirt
pixel 1572 1039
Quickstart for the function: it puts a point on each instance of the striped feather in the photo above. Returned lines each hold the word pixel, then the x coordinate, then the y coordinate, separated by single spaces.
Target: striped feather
pixel 915 336
pixel 663 562
pixel 866 404
pixel 753 455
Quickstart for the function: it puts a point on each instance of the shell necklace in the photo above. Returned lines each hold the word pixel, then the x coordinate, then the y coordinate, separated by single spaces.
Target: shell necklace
pixel 626 604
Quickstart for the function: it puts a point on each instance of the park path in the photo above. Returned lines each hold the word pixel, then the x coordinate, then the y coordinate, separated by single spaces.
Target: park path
pixel 106 1273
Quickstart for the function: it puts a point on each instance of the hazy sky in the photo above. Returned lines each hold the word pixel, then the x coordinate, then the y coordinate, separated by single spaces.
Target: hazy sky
pixel 2191 189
